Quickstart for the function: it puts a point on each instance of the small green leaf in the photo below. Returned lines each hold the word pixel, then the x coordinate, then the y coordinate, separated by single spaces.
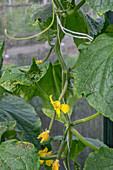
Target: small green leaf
pixel 101 6
pixel 49 35
pixel 102 159
pixel 94 74
pixel 41 12
pixel 18 155
pixel 15 108
pixel 6 125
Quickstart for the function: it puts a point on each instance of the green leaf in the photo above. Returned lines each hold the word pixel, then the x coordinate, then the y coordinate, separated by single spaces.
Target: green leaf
pixel 101 6
pixel 15 108
pixel 41 12
pixel 48 35
pixel 55 89
pixel 18 82
pixel 6 125
pixel 18 155
pixel 77 22
pixel 102 159
pixel 1 92
pixel 94 74
pixel 109 29
pixel 2 43
pixel 95 24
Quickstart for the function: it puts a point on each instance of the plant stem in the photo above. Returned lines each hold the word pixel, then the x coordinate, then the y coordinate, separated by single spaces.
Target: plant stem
pixel 48 54
pixel 52 121
pixel 48 157
pixel 62 144
pixel 86 119
pixel 63 91
pixel 59 55
pixel 83 140
pixel 76 7
pixel 58 4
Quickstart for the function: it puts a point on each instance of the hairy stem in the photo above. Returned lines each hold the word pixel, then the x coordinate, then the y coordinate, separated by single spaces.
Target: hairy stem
pixel 63 90
pixel 48 157
pixel 45 59
pixel 52 121
pixel 86 119
pixel 75 132
pixel 62 144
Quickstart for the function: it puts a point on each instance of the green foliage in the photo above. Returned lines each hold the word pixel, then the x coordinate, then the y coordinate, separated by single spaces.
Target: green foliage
pixel 41 12
pixel 77 146
pixel 93 78
pixel 6 125
pixel 102 159
pixel 18 155
pixel 79 26
pixel 2 43
pixel 101 6
pixel 95 25
pixel 14 108
pixel 29 83
pixel 93 74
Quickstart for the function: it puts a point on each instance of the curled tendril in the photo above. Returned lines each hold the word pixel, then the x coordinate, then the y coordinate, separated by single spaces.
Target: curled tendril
pixel 25 38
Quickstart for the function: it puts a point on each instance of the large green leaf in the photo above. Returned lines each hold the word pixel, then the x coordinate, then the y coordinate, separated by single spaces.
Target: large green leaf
pixel 55 88
pixel 6 125
pixel 15 108
pixel 43 84
pixel 94 74
pixel 22 81
pixel 77 22
pixel 101 6
pixel 18 155
pixel 100 160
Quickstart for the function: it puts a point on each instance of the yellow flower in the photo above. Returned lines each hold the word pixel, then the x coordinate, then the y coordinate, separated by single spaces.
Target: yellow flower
pixel 44 153
pixel 39 62
pixel 57 106
pixel 44 136
pixel 55 165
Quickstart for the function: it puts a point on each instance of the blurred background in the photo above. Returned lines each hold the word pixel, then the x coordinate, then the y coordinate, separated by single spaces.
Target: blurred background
pixel 15 17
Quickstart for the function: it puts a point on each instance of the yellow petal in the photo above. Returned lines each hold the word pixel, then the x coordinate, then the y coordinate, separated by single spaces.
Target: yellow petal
pixel 55 165
pixel 50 97
pixel 41 161
pixel 39 62
pixel 58 112
pixel 49 153
pixel 49 162
pixel 64 108
pixel 56 105
pixel 43 152
pixel 44 136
